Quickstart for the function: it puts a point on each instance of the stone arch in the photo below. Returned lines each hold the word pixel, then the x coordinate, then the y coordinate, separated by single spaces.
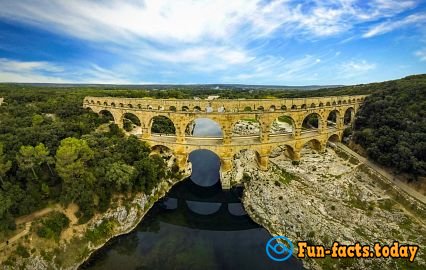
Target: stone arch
pixel 283 149
pixel 172 108
pixel 130 106
pixel 294 107
pixel 107 115
pixel 283 124
pixel 247 109
pixel 161 124
pixel 321 104
pixel 334 138
pixel 344 102
pixel 260 108
pixel 139 106
pixel 333 118
pixel 334 103
pixel 313 105
pixel 272 108
pixel 339 102
pixel 131 123
pixel 349 116
pixel 113 104
pixel 312 121
pixel 149 107
pixel 283 108
pixel 206 127
pixel 197 109
pixel 328 103
pixel 221 109
pixel 314 144
pixel 185 108
pixel 98 102
pixel 105 103
pixel 121 105
pixel 160 107
pixel 92 101
pixel 303 107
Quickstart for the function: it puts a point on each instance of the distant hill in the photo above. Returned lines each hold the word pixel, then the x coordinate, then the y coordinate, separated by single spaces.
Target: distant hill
pixel 188 86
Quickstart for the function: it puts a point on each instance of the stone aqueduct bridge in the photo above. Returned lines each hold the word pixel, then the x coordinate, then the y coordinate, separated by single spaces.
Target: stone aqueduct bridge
pixel 226 112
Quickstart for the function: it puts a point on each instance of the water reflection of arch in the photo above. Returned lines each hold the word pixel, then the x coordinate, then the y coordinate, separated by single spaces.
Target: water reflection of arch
pixel 188 190
pixel 220 220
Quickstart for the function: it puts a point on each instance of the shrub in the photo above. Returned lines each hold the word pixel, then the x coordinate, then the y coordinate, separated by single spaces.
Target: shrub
pixel 52 226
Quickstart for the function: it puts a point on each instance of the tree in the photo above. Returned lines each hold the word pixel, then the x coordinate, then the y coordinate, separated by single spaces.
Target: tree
pixel 30 157
pixel 72 157
pixel 5 165
pixel 121 174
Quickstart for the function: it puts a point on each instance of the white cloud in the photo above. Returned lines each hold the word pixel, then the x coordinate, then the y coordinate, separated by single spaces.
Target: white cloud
pixel 198 36
pixel 421 54
pixel 357 67
pixel 389 26
pixel 45 72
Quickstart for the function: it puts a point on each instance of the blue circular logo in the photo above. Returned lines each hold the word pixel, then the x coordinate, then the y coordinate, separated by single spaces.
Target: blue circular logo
pixel 278 251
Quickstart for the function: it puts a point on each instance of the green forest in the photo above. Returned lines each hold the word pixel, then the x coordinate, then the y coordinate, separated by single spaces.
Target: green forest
pixel 391 126
pixel 52 150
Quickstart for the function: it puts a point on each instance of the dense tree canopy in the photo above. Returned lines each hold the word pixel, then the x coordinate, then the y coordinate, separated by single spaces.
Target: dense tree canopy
pixel 391 125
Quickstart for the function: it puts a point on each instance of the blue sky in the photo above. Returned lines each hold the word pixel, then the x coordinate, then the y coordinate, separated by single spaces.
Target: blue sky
pixel 281 42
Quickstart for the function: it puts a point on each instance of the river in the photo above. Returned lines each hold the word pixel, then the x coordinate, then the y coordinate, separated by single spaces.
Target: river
pixel 196 226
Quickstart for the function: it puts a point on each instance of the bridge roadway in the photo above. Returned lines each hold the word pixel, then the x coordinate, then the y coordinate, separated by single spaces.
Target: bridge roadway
pixel 226 113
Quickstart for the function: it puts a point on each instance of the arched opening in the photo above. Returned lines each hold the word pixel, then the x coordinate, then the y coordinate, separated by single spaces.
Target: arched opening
pixel 113 104
pixel 197 109
pixel 246 127
pixel 149 107
pixel 121 105
pixel 339 102
pixel 139 106
pixel 313 105
pixel 221 109
pixel 106 116
pixel 162 125
pixel 332 118
pixel 311 122
pixel 185 108
pixel 303 107
pixel 334 138
pixel 209 108
pixel 130 106
pixel 92 101
pixel 349 116
pixel 272 108
pixel 204 127
pixel 205 167
pixel 131 123
pixel 313 144
pixel 161 108
pixel 282 152
pixel 260 108
pixel 247 109
pixel 105 103
pixel 283 108
pixel 172 108
pixel 294 107
pixel 282 125
pixel 328 104
pixel 98 102
pixel 321 105
pixel 334 103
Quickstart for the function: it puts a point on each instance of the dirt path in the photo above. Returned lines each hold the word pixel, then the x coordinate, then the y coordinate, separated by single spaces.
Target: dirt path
pixel 28 219
pixel 394 179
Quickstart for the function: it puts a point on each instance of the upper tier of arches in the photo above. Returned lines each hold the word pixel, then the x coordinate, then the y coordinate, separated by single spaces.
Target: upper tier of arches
pixel 225 105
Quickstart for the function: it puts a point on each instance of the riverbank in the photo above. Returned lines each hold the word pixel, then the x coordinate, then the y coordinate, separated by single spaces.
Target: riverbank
pixel 78 242
pixel 332 197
